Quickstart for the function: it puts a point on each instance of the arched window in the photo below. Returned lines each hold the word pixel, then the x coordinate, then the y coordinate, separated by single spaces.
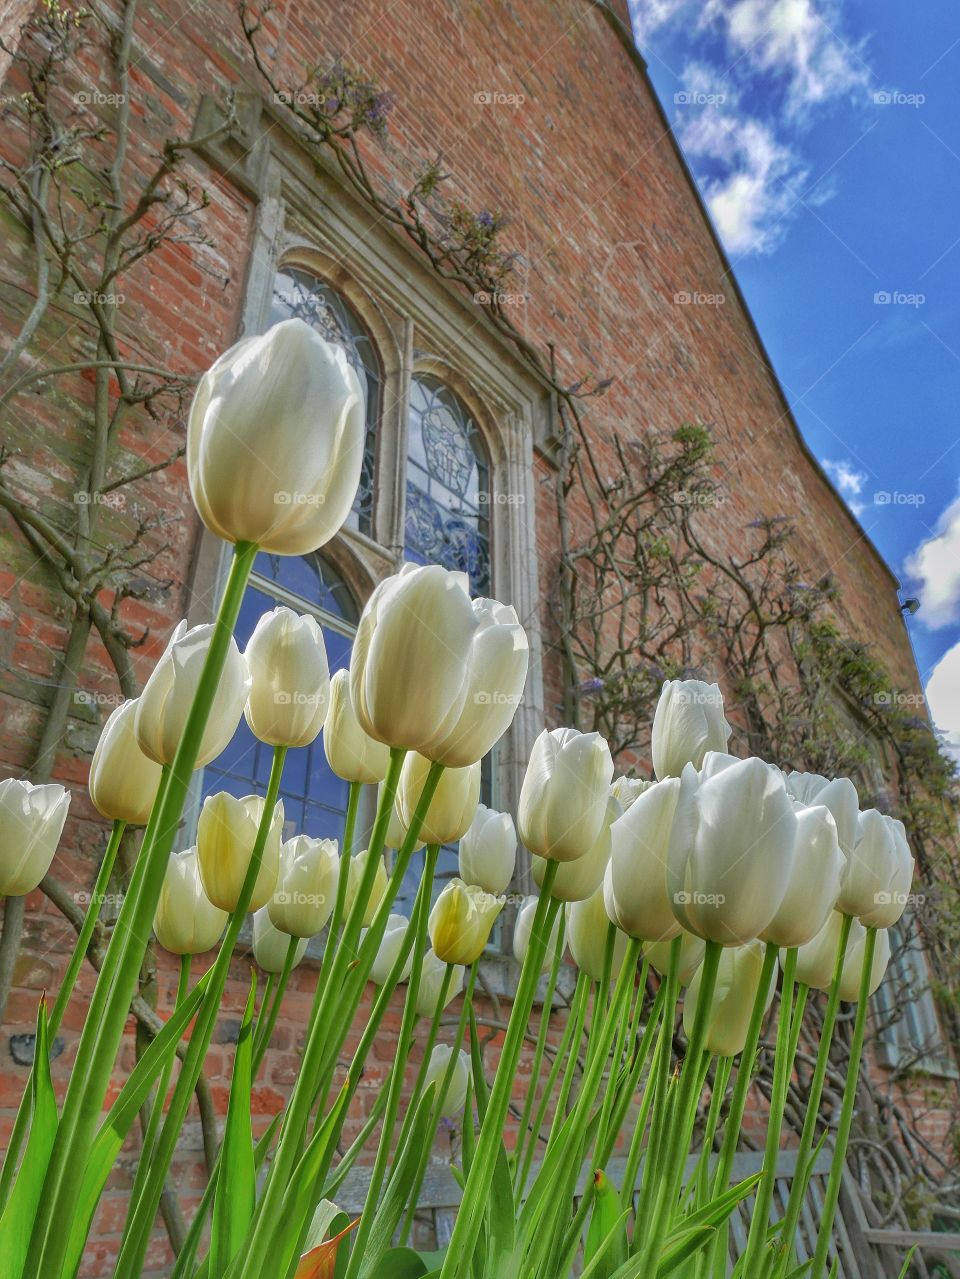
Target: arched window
pixel 448 484
pixel 314 798
pixel 299 295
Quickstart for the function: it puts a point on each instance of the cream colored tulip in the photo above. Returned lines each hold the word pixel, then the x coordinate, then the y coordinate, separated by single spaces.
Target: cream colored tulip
pixel 640 841
pixel 454 803
pixel 879 872
pixel 168 696
pixel 186 921
pixel 738 981
pixel 31 823
pixel 628 789
pixel 226 834
pixel 488 850
pixel 731 851
pixel 838 795
pixel 461 922
pixel 270 945
pixel 355 868
pixel 563 799
pixel 434 980
pixel 814 883
pixel 351 753
pixel 523 933
pixel 302 901
pixel 289 679
pixel 577 880
pixel 456 1095
pixel 816 961
pixel 396 830
pixel 275 440
pixel 587 926
pixel 688 722
pixel 692 950
pixel 123 781
pixel 388 952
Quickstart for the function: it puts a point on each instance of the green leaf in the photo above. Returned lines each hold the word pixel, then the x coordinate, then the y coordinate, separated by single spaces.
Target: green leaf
pixel 401 1263
pixel 906 1264
pixel 605 1247
pixel 719 1209
pixel 500 1212
pixel 236 1194
pixel 676 1253
pixel 16 1224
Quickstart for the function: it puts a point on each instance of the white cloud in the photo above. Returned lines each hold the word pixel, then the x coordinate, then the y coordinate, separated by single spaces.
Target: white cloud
pixel 847 480
pixel 935 566
pixel 943 698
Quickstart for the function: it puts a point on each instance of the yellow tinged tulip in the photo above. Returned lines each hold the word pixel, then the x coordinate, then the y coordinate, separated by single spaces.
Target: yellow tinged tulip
pixel 564 794
pixel 270 945
pixel 123 780
pixel 186 921
pixel 351 753
pixel 454 803
pixel 226 834
pixel 306 885
pixel 738 981
pixel 289 679
pixel 354 867
pixel 461 920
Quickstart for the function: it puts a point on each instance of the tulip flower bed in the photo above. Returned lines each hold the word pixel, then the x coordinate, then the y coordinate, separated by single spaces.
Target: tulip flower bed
pixel 716 876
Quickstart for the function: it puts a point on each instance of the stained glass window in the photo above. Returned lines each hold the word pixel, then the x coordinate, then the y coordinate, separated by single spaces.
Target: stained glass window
pixel 448 484
pixel 299 295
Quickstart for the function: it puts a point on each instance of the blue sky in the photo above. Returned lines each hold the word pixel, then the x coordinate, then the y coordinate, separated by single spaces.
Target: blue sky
pixel 825 140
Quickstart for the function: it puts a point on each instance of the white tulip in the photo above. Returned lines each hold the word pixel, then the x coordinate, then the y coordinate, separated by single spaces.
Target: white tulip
pixel 688 722
pixel 879 872
pixel 574 881
pixel 302 901
pixel 454 803
pixel 226 834
pixel 186 921
pixel 488 850
pixel 31 823
pixel 838 795
pixel 456 1095
pixel 814 883
pixel 563 799
pixel 123 781
pixel 290 679
pixel 587 926
pixel 388 952
pixel 351 753
pixel 692 950
pixel 738 981
pixel 731 851
pixel 523 933
pixel 355 869
pixel 461 922
pixel 627 789
pixel 396 830
pixel 275 440
pixel 816 961
pixel 168 695
pixel 434 979
pixel 270 945
pixel 638 864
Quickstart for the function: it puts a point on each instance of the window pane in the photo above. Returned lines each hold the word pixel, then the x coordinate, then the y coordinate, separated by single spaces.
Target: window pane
pixel 448 485
pixel 299 295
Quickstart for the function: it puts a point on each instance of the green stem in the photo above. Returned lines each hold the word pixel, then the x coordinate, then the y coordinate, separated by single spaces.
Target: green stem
pixel 616 1085
pixel 546 1010
pixel 421 1075
pixel 662 1092
pixel 701 1177
pixel 117 982
pixel 346 852
pixel 640 1123
pixel 265 1032
pixel 832 1193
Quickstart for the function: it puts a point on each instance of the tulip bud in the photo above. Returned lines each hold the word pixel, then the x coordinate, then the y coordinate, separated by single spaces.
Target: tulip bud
pixel 275 440
pixel 488 851
pixel 574 881
pixel 31 823
pixel 523 933
pixel 731 850
pixel 564 794
pixel 461 921
pixel 434 979
pixel 839 796
pixel 691 956
pixel 687 723
pixel 167 697
pixel 355 868
pixel 123 781
pixel 396 830
pixel 270 945
pixel 879 872
pixel 289 679
pixel 627 789
pixel 351 753
pixel 226 834
pixel 738 981
pixel 306 886
pixel 389 950
pixel 587 926
pixel 640 840
pixel 817 960
pixel 186 921
pixel 456 1095
pixel 454 803
pixel 814 883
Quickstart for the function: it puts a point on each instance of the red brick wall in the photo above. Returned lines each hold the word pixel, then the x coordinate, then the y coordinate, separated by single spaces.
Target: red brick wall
pixel 608 230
